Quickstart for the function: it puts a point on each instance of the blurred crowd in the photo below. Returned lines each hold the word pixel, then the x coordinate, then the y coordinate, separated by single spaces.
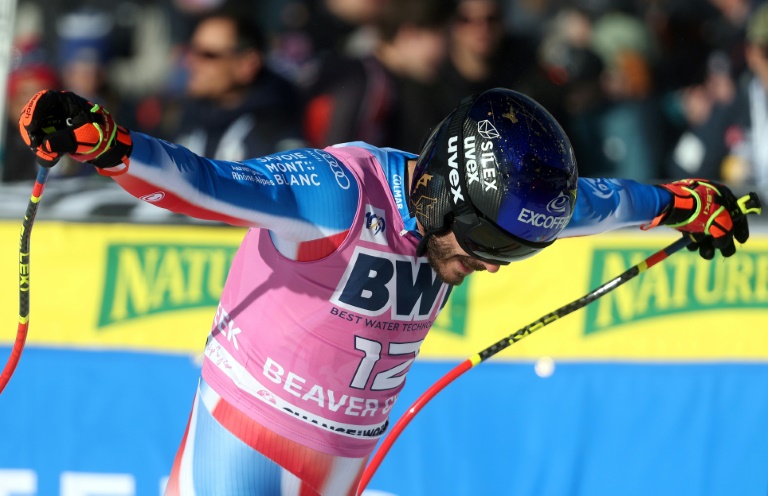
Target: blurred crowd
pixel 646 89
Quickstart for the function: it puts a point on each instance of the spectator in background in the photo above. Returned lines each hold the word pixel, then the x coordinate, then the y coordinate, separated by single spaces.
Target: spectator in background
pixel 568 81
pixel 185 14
pixel 728 30
pixel 629 125
pixel 746 163
pixel 481 54
pixel 77 60
pixel 595 73
pixel 726 136
pixel 31 75
pixel 530 17
pixel 180 20
pixel 84 48
pixel 684 44
pixel 235 106
pixel 313 33
pixel 697 113
pixel 389 97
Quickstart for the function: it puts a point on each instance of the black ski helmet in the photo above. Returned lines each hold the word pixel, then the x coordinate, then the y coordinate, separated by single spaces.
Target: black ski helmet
pixel 500 172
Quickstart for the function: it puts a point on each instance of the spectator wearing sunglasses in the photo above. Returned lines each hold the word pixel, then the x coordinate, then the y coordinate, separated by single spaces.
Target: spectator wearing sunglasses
pixel 350 254
pixel 236 106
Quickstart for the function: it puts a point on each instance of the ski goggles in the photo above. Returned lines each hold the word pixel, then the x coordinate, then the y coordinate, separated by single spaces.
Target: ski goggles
pixel 483 240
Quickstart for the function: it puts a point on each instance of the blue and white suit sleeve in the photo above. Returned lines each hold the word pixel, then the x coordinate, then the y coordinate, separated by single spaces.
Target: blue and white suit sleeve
pixel 297 194
pixel 605 204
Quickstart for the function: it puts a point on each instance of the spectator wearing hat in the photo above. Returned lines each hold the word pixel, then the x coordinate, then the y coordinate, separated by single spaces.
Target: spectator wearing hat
pixel 31 75
pixel 84 53
pixel 235 105
pixel 85 49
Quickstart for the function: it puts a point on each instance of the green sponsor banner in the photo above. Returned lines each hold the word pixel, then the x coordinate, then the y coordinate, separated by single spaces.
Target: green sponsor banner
pixel 147 279
pixel 683 283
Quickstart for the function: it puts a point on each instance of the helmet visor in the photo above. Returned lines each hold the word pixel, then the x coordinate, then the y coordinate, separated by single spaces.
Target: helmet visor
pixel 489 243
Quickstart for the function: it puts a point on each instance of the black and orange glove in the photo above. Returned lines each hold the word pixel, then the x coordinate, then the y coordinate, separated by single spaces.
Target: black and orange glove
pixel 57 122
pixel 709 213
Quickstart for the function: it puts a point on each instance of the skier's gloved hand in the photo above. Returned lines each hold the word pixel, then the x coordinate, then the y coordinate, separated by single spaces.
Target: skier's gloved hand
pixel 709 213
pixel 57 122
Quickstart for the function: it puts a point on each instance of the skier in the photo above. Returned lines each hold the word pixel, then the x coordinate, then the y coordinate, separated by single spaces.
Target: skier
pixel 350 253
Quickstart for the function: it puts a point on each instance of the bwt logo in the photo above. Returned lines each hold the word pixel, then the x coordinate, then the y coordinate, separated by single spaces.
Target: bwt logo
pixel 376 282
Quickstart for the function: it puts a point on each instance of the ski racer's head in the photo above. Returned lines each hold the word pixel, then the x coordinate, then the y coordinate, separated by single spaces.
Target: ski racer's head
pixel 500 175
